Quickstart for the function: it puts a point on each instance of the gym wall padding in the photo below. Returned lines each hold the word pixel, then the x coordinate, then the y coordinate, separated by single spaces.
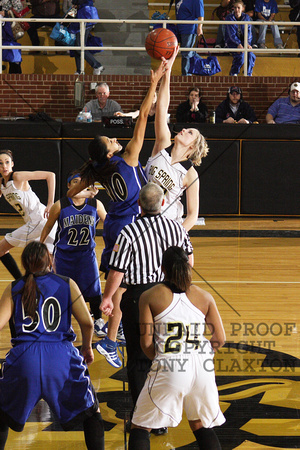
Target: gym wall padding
pixel 219 178
pixel 270 182
pixel 249 170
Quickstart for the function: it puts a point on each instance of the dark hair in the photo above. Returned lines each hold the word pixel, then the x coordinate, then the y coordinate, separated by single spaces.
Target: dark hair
pixel 177 269
pixel 8 153
pixel 98 167
pixel 194 89
pixel 36 260
pixel 72 174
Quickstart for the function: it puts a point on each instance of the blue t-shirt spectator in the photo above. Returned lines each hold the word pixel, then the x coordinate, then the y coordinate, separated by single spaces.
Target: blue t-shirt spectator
pixel 189 10
pixel 266 8
pixel 283 111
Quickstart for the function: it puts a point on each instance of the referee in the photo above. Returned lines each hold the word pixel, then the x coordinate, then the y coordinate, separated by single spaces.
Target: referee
pixel 137 256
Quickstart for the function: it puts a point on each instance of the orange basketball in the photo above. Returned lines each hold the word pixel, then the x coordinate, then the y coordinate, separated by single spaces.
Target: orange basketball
pixel 161 42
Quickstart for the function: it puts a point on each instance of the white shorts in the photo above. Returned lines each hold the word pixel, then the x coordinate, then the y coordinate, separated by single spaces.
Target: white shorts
pixel 173 384
pixel 31 232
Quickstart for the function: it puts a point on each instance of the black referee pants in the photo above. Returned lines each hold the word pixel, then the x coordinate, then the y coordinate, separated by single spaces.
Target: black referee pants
pixel 138 365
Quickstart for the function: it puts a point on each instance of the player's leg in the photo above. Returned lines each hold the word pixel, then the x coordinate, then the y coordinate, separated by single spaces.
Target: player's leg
pixel 139 438
pixel 3 434
pixel 206 437
pixel 7 260
pixel 108 346
pixel 93 428
pixel 95 303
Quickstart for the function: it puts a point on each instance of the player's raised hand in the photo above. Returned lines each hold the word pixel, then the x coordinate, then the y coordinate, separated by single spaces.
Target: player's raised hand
pixel 170 61
pixel 159 72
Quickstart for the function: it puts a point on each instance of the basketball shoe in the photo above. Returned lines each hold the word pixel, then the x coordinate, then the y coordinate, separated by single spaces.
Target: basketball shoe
pixel 100 327
pixel 108 348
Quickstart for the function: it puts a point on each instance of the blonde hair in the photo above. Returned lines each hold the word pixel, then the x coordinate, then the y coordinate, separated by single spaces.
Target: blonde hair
pixel 200 150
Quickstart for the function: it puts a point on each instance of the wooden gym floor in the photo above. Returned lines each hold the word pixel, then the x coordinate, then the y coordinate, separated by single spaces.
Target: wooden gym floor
pixel 251 267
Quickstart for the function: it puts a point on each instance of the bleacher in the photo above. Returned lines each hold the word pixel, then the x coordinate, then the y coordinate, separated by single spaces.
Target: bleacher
pixel 266 63
pixel 52 62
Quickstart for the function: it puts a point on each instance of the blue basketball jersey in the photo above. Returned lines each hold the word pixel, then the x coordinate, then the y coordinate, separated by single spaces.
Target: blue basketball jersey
pixel 124 187
pixel 76 227
pixel 52 321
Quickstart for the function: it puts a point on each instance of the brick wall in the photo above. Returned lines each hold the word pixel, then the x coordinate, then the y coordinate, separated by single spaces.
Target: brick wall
pixel 21 95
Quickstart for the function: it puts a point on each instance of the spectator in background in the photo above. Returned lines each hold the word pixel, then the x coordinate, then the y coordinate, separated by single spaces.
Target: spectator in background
pixel 102 105
pixel 287 109
pixel 234 109
pixel 266 10
pixel 42 9
pixel 192 110
pixel 295 17
pixel 188 10
pixel 85 10
pixel 225 8
pixel 12 56
pixel 234 38
pixel 249 9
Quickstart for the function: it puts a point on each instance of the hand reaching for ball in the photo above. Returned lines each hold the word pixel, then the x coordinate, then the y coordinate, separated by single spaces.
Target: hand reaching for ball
pixel 169 62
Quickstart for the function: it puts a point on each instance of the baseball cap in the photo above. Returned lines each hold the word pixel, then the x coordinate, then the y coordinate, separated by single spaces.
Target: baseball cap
pixel 233 89
pixel 295 87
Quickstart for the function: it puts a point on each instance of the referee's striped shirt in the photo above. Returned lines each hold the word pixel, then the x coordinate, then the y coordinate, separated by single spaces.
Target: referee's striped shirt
pixel 140 245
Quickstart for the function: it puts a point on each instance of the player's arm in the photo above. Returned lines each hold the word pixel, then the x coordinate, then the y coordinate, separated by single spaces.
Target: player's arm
pixel 113 281
pixel 162 132
pixel 191 183
pixel 77 188
pixel 83 317
pixel 146 325
pixel 39 175
pixel 6 306
pixel 133 148
pixel 89 192
pixel 214 323
pixel 53 217
pixel 101 210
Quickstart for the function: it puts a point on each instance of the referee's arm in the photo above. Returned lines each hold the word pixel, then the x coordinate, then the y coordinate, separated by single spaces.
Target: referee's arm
pixel 112 283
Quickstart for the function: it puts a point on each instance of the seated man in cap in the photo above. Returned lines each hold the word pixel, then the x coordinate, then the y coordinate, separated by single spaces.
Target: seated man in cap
pixel 286 109
pixel 234 109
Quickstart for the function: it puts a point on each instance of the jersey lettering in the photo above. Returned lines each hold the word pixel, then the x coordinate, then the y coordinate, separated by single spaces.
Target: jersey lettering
pixel 164 179
pixel 73 237
pixel 51 316
pixel 19 208
pixel 79 219
pixel 119 187
pixel 172 344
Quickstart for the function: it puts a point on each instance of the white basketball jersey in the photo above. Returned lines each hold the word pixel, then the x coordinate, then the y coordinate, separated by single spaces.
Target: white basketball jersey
pixel 26 203
pixel 179 329
pixel 170 178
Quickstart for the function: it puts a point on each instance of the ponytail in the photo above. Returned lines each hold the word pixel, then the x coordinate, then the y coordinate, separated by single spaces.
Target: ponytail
pixel 177 269
pixel 98 167
pixel 36 261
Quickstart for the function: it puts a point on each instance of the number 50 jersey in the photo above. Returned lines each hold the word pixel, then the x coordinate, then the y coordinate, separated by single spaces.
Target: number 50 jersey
pixel 52 321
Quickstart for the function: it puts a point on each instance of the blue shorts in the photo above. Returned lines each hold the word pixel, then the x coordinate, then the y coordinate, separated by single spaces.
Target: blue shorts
pixel 111 230
pixel 53 371
pixel 82 269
